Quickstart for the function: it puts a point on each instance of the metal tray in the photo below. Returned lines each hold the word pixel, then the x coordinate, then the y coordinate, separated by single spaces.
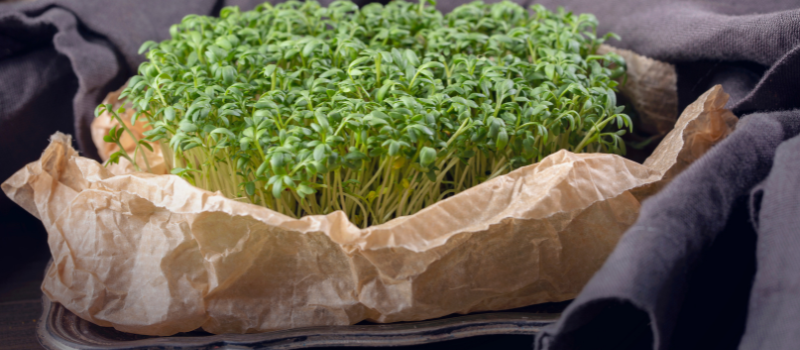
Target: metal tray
pixel 60 329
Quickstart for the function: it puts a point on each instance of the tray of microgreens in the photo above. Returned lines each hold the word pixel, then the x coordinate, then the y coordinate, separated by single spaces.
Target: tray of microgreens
pixel 377 112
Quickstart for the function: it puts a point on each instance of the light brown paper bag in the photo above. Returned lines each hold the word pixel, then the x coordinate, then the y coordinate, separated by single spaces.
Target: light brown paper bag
pixel 651 86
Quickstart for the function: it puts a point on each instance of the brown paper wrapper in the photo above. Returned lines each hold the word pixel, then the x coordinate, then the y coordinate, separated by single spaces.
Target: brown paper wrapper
pixel 151 254
pixel 651 87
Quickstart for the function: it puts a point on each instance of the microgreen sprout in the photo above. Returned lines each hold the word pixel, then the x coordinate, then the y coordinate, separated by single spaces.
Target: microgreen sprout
pixel 379 111
pixel 115 135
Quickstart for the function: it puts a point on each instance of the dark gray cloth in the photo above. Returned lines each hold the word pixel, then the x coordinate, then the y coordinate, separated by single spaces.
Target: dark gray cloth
pixel 774 305
pixel 707 266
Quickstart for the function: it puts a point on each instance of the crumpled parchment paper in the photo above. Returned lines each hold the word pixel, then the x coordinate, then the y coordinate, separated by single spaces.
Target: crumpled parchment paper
pixel 651 87
pixel 151 254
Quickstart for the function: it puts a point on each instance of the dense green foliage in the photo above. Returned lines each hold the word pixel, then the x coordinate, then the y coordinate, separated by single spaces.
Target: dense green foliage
pixel 378 111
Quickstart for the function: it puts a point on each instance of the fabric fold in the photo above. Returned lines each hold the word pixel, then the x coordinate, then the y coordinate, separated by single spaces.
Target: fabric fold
pixel 773 309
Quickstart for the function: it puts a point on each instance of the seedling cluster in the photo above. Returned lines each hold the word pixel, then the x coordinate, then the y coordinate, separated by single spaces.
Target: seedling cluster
pixel 379 111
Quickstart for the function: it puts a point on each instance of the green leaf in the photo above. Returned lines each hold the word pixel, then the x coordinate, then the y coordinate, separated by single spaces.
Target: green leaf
pixel 262 168
pixel 494 127
pixel 373 121
pixel 320 153
pixel 384 89
pixel 303 190
pixel 394 148
pixel 147 45
pixel 357 61
pixel 228 75
pixel 114 157
pixel 412 58
pixel 322 119
pixel 249 132
pixel 287 180
pixel 330 72
pixel 223 43
pixel 188 127
pixel 269 69
pixel 169 113
pixel 431 175
pixel 277 162
pixel 146 145
pixel 309 48
pixel 99 110
pixel 550 71
pixel 427 156
pixel 528 143
pixel 250 188
pixel 225 132
pixel 355 155
pixel 502 140
pixel 277 188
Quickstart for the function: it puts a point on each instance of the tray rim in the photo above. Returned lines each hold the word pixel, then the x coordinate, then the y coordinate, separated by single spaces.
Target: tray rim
pixel 389 335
